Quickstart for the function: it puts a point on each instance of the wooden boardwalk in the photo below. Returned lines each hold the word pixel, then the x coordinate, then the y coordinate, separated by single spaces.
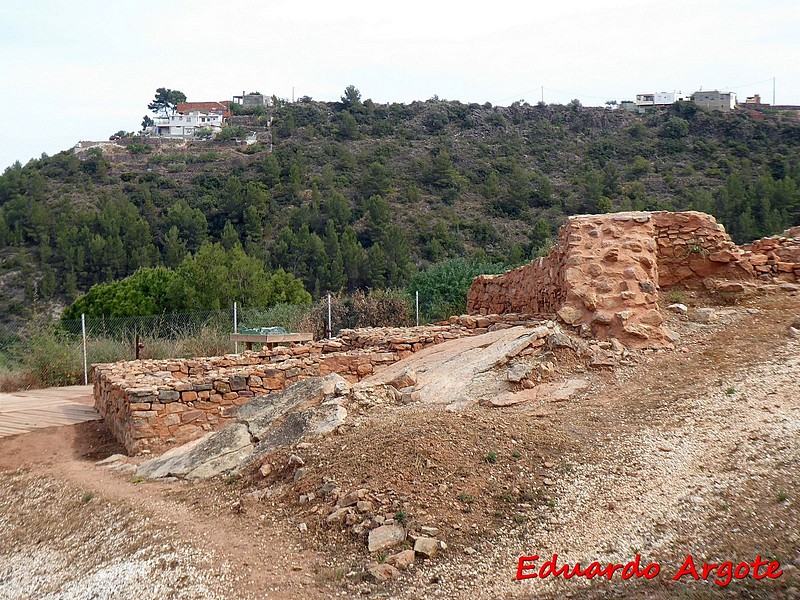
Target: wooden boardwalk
pixel 21 412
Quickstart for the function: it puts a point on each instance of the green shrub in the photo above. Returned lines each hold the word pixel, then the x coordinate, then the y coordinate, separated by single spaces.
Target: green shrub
pixel 232 132
pixel 45 356
pixel 443 287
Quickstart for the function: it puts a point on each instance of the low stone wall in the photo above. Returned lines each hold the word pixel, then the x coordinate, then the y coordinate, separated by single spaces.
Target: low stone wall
pixel 776 256
pixel 605 271
pixel 150 405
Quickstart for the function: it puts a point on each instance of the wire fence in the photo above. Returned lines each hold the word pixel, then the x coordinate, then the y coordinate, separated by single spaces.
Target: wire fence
pixel 44 352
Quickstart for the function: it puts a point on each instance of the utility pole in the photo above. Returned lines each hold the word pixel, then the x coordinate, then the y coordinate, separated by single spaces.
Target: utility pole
pixel 542 94
pixel 773 91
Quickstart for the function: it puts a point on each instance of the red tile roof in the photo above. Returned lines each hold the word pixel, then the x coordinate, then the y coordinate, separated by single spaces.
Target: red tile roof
pixel 212 107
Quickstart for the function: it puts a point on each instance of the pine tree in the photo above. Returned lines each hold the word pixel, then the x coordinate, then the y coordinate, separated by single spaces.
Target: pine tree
pixel 353 259
pixel 174 248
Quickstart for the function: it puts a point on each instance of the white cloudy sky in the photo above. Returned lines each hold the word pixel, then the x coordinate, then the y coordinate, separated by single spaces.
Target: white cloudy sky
pixel 83 69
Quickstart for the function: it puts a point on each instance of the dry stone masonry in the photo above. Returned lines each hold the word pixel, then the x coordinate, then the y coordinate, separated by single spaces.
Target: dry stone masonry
pixel 150 405
pixel 605 271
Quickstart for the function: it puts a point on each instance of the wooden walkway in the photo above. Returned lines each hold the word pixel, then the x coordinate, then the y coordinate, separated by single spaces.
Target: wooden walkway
pixel 21 412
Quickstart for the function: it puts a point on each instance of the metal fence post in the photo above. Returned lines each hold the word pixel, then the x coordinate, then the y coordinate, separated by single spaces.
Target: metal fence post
pixel 235 329
pixel 85 357
pixel 330 327
pixel 417 303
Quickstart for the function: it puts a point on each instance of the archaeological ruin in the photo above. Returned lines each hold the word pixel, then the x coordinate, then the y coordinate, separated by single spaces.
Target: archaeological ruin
pixel 602 278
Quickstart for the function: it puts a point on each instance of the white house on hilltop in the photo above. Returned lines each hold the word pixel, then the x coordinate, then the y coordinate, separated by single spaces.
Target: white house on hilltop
pixel 191 117
pixel 651 100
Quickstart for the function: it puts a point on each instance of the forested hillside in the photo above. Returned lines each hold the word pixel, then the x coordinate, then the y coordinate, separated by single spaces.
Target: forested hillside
pixel 356 194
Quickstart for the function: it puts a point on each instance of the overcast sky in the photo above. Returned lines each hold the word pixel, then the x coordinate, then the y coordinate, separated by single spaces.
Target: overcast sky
pixel 83 69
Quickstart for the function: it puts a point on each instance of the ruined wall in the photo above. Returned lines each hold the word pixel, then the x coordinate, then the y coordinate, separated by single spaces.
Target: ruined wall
pixel 776 256
pixel 154 404
pixel 605 271
pixel 693 246
pixel 536 288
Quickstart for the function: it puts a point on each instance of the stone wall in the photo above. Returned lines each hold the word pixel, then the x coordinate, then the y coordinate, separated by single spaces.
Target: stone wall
pixel 776 256
pixel 150 405
pixel 605 271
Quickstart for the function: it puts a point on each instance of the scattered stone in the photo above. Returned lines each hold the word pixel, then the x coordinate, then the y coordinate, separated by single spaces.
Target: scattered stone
pixel 352 498
pixel 381 573
pixel 338 515
pixel 518 372
pixel 364 506
pixel 672 336
pixel 402 560
pixel 678 308
pixel 385 536
pixel 327 488
pixel 265 469
pixel 296 460
pixel 408 378
pixel 429 531
pixel 794 333
pixel 426 546
pixel 570 315
pixel 302 527
pixel 705 316
pixel 112 459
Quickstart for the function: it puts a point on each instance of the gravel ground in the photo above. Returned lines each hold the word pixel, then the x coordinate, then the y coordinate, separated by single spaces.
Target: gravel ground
pixel 61 542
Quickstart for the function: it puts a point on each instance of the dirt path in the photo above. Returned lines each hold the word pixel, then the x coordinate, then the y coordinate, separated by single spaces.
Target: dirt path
pixel 236 561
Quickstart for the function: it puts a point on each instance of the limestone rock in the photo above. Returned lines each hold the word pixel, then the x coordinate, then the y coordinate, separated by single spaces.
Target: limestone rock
pixel 460 372
pixel 518 372
pixel 207 457
pixel 705 315
pixel 426 546
pixel 570 315
pixel 401 560
pixel 385 536
pixel 407 378
pixel 551 392
pixel 264 423
pixel 261 413
pixel 679 308
pixel 381 573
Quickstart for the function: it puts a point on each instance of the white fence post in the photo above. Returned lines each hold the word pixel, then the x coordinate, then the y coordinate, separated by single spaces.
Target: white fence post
pixel 417 303
pixel 85 357
pixel 235 328
pixel 330 327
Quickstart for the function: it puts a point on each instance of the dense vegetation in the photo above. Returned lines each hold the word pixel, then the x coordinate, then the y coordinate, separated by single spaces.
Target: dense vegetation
pixel 358 195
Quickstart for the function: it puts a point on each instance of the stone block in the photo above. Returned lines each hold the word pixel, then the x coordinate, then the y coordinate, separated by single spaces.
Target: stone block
pixel 168 396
